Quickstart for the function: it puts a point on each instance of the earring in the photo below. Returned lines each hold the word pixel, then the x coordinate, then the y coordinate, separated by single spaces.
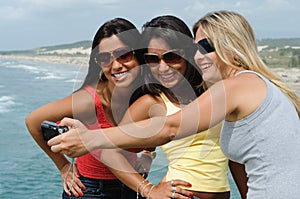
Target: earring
pixel 100 75
pixel 237 62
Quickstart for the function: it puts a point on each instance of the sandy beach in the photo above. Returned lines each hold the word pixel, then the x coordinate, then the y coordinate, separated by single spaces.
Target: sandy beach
pixel 290 75
pixel 51 59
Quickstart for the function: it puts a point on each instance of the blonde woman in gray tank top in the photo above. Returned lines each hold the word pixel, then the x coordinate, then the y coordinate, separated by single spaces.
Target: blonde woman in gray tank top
pixel 260 114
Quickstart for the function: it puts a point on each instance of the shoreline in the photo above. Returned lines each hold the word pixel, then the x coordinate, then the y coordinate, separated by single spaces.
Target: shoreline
pixel 290 75
pixel 51 59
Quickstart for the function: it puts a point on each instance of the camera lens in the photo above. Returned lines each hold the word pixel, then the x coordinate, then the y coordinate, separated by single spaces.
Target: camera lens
pixel 61 130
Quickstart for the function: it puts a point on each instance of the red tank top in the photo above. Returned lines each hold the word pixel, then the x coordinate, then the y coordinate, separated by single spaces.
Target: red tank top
pixel 89 165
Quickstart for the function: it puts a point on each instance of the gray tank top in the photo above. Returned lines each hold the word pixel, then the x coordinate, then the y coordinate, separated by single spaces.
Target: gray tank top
pixel 267 142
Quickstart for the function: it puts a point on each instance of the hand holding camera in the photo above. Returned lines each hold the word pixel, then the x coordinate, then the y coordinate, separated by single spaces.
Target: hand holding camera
pixel 51 129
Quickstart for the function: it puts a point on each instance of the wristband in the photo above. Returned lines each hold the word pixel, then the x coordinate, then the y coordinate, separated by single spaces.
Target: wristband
pixel 142 192
pixel 137 189
pixel 150 191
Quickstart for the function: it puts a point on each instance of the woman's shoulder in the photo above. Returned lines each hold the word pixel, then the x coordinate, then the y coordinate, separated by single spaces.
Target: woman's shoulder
pixel 83 101
pixel 144 107
pixel 240 81
pixel 149 99
pixel 244 93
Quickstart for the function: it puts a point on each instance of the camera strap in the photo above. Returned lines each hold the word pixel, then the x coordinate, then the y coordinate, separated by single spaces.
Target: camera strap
pixel 71 167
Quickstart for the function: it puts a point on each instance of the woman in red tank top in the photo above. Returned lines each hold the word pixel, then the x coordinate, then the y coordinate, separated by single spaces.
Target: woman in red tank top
pixel 114 71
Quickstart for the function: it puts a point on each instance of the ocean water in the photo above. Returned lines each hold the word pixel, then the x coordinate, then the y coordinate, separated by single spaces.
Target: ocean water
pixel 25 170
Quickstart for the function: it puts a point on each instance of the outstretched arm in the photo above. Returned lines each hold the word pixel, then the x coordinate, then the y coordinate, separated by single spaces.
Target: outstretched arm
pixel 206 111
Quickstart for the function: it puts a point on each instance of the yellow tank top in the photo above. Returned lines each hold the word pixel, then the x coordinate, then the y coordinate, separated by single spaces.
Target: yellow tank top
pixel 197 159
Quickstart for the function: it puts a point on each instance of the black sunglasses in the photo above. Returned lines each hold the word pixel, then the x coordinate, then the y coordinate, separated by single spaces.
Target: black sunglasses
pixel 174 56
pixel 122 55
pixel 205 46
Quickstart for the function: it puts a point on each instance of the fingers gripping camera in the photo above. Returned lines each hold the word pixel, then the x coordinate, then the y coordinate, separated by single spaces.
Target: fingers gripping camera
pixel 51 129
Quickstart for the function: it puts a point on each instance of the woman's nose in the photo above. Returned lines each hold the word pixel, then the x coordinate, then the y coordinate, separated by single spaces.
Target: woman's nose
pixel 198 55
pixel 115 65
pixel 163 66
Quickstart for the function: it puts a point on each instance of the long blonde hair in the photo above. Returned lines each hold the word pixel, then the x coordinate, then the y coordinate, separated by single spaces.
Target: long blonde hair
pixel 235 44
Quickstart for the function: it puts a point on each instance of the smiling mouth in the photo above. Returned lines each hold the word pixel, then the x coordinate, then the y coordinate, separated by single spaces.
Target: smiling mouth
pixel 205 66
pixel 120 76
pixel 167 77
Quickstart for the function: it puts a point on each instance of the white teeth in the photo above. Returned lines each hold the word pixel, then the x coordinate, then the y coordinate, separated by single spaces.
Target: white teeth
pixel 205 66
pixel 167 76
pixel 119 75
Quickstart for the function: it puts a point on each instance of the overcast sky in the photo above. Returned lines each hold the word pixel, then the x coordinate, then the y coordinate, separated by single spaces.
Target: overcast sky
pixel 27 24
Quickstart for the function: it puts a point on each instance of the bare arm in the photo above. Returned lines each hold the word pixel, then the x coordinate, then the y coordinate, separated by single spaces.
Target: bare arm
pixel 240 177
pixel 55 111
pixel 115 158
pixel 145 107
pixel 121 168
pixel 206 111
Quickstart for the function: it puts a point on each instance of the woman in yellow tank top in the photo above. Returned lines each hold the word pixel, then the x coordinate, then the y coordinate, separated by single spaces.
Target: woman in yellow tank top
pixel 173 81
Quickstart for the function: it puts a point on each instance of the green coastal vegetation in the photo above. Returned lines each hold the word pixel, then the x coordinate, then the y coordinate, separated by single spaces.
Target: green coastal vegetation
pixel 57 50
pixel 284 53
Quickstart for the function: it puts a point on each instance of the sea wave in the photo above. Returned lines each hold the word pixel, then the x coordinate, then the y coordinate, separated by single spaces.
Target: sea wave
pixel 6 62
pixel 30 68
pixel 72 81
pixel 40 72
pixel 6 102
pixel 50 75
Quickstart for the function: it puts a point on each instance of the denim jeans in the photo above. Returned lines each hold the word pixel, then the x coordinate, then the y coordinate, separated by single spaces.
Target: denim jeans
pixel 103 189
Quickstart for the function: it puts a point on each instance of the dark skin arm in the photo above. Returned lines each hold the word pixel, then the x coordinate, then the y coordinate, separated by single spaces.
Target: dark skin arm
pixel 240 177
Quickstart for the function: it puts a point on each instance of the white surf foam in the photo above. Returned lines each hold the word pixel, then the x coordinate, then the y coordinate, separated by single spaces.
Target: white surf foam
pixel 6 103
